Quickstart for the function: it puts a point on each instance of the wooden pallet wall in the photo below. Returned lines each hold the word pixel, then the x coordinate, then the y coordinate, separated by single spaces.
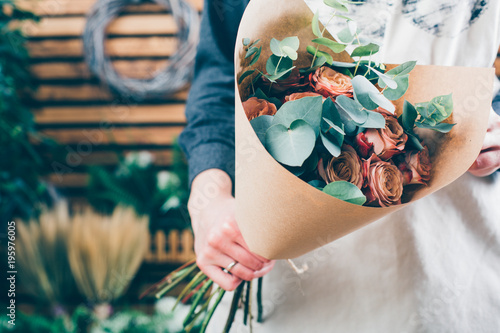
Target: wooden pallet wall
pixel 72 106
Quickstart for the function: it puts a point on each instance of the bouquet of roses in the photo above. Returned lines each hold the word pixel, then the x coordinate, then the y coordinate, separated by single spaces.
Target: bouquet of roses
pixel 325 133
pixel 328 141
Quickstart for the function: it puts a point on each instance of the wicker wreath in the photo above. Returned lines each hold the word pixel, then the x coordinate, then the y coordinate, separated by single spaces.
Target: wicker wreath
pixel 165 82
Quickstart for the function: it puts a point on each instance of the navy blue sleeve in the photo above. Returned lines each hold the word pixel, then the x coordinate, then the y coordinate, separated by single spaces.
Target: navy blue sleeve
pixel 208 139
pixel 496 103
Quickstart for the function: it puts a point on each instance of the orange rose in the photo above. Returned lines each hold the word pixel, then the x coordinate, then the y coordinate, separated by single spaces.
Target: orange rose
pixel 328 82
pixel 384 183
pixel 255 107
pixel 387 141
pixel 296 96
pixel 347 167
pixel 416 167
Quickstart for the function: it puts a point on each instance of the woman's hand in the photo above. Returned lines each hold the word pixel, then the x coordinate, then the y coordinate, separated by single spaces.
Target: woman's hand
pixel 218 241
pixel 488 160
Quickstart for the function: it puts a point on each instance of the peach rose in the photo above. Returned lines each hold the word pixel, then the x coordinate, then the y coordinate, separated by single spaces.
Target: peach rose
pixel 387 141
pixel 384 183
pixel 416 167
pixel 328 82
pixel 299 95
pixel 255 107
pixel 347 167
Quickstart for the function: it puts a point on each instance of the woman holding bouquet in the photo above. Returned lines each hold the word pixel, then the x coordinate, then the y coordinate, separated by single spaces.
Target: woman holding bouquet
pixel 431 267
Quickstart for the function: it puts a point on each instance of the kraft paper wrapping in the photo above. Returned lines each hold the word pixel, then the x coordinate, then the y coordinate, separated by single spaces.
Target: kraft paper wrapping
pixel 281 216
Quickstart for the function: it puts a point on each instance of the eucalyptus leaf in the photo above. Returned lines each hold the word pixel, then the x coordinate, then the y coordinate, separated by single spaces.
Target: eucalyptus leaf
pixel 255 43
pixel 312 50
pixel 334 145
pixel 343 64
pixel 355 110
pixel 437 110
pixel 404 68
pixel 293 145
pixel 336 5
pixel 256 57
pixel 319 184
pixel 308 108
pixel 375 120
pixel 414 141
pixel 332 45
pixel 251 51
pixel 333 126
pixel 345 191
pixel 260 125
pixel 408 116
pixel 272 67
pixel 384 80
pixel 275 48
pixel 331 113
pixel 315 25
pixel 369 96
pixel 279 75
pixel 291 53
pixel 365 50
pixel 403 84
pixel 345 35
pixel 291 42
pixel 319 61
pixel 246 74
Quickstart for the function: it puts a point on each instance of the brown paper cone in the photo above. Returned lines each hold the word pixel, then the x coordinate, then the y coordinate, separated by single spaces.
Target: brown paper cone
pixel 281 216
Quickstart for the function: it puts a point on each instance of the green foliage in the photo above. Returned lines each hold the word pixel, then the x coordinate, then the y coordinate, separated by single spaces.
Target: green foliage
pixel 21 161
pixel 345 191
pixel 432 113
pixel 136 182
pixel 369 96
pixel 308 108
pixel 291 145
pixel 84 320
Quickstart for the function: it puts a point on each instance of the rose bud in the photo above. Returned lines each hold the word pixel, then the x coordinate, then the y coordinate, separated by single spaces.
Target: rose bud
pixel 347 167
pixel 365 148
pixel 299 95
pixel 387 141
pixel 384 185
pixel 255 107
pixel 328 82
pixel 416 167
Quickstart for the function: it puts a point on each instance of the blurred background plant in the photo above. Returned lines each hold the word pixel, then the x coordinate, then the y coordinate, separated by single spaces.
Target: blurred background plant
pixel 136 182
pixel 22 157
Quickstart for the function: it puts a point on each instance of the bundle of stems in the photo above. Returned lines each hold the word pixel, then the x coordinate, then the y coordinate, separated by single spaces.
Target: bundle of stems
pixel 105 252
pixel 200 292
pixel 43 260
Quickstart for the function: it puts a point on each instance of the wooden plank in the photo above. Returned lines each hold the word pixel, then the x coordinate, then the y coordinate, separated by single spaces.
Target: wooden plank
pixel 167 113
pixel 137 69
pixel 82 7
pixel 160 157
pixel 85 92
pixel 116 47
pixel 65 180
pixel 122 136
pixel 154 24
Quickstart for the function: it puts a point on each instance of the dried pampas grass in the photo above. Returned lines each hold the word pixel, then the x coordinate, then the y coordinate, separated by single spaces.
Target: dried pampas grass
pixel 105 252
pixel 41 252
